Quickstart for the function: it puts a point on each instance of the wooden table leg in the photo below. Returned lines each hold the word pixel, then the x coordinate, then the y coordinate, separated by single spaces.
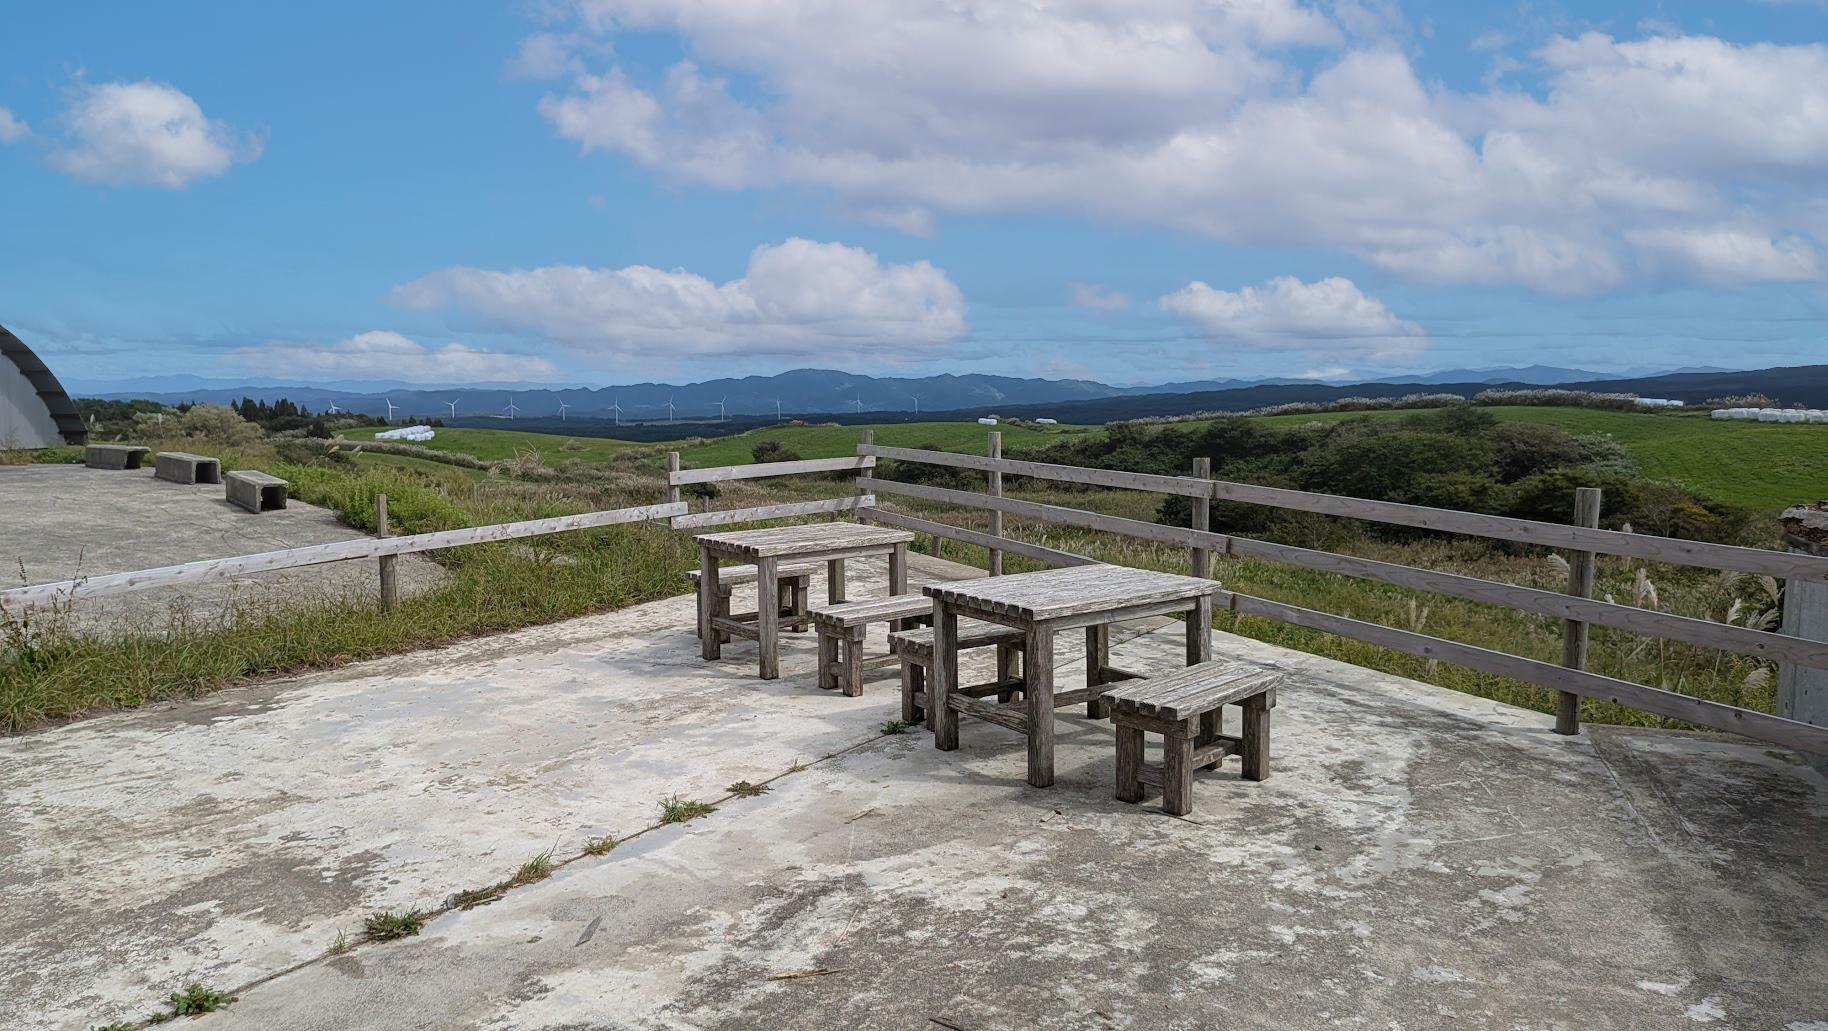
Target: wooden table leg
pixel 1199 649
pixel 1039 683
pixel 898 570
pixel 834 581
pixel 768 615
pixel 943 675
pixel 1097 657
pixel 707 605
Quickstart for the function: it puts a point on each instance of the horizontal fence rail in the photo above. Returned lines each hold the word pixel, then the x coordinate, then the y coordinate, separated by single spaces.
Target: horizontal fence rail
pixel 1049 556
pixel 318 554
pixel 760 470
pixel 1728 557
pixel 1576 607
pixel 784 511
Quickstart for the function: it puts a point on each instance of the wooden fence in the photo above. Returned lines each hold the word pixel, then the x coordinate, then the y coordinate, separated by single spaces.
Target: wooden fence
pixel 1576 608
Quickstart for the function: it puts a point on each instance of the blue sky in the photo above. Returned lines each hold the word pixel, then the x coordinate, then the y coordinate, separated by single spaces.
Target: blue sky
pixel 602 191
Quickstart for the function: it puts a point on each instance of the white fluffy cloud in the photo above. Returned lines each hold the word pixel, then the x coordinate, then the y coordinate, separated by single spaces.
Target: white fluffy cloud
pixel 383 354
pixel 11 127
pixel 1198 116
pixel 797 297
pixel 146 132
pixel 1331 318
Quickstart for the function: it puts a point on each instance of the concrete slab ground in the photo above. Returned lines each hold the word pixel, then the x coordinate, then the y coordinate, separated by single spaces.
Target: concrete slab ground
pixel 1419 858
pixel 61 522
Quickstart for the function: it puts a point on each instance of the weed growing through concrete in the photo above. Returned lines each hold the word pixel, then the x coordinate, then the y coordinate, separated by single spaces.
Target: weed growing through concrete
pixel 119 1025
pixel 744 789
pixel 893 726
pixel 796 767
pixel 340 945
pixel 536 869
pixel 600 846
pixel 387 926
pixel 470 898
pixel 198 999
pixel 678 810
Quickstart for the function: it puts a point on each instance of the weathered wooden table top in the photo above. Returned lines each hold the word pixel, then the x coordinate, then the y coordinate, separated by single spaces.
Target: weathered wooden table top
pixel 1072 591
pixel 807 538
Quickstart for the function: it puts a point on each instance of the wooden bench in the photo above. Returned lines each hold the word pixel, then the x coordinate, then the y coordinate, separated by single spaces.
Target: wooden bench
pixel 1184 707
pixel 843 628
pixel 255 491
pixel 795 595
pixel 915 650
pixel 179 467
pixel 114 456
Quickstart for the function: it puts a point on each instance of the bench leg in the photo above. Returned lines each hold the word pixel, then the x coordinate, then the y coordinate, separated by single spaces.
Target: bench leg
pixel 724 591
pixel 1177 773
pixel 1129 764
pixel 1256 739
pixel 828 660
pixel 1097 657
pixel 768 617
pixel 1212 724
pixel 853 662
pixel 1008 669
pixel 912 677
pixel 941 678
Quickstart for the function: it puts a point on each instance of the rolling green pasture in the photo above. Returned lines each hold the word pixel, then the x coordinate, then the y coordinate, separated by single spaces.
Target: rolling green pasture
pixel 1766 466
pixel 839 441
pixel 492 445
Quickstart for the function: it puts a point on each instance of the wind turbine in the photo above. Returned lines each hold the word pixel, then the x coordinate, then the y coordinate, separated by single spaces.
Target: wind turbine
pixel 616 407
pixel 333 408
pixel 453 407
pixel 859 403
pixel 777 409
pixel 669 411
pixel 562 407
pixel 390 409
pixel 720 409
pixel 916 398
pixel 511 408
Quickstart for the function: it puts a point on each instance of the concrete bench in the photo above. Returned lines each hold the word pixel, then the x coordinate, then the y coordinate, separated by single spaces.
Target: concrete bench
pixel 795 599
pixel 1184 708
pixel 179 467
pixel 842 629
pixel 915 650
pixel 114 456
pixel 255 491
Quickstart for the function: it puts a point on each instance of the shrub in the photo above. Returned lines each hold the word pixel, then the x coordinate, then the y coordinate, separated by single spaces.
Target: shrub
pixel 1521 449
pixel 773 451
pixel 220 423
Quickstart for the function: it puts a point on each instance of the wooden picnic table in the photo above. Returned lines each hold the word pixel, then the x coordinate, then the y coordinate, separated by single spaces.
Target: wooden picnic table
pixel 831 543
pixel 1041 605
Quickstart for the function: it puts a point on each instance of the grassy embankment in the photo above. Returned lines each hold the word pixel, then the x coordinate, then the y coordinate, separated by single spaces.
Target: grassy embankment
pixel 49 671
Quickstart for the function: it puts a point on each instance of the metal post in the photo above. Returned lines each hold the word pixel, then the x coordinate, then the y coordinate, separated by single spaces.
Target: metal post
pixel 390 583
pixel 1802 692
pixel 995 451
pixel 1581 568
pixel 1202 519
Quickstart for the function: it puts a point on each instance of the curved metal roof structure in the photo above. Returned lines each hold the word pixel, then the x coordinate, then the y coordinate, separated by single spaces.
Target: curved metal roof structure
pixel 35 410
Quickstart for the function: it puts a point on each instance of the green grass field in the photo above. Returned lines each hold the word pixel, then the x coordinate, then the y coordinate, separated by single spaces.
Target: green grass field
pixel 838 441
pixel 493 445
pixel 1765 466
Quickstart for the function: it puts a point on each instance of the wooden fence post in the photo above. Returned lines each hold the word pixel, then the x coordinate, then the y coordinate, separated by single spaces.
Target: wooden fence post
pixel 869 439
pixel 390 583
pixel 995 450
pixel 1582 566
pixel 1202 519
pixel 672 466
pixel 1802 692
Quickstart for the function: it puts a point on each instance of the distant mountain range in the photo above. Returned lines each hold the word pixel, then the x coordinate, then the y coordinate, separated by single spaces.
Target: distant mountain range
pixel 818 392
